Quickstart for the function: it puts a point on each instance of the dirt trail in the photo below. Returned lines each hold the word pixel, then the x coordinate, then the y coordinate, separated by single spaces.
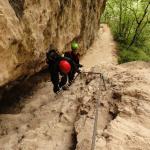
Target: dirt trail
pixel 103 50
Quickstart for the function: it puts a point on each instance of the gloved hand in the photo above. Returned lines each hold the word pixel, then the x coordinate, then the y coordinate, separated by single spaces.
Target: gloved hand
pixel 78 71
pixel 80 66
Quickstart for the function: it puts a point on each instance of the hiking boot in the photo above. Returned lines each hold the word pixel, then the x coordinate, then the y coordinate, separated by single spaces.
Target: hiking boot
pixel 70 82
pixel 65 87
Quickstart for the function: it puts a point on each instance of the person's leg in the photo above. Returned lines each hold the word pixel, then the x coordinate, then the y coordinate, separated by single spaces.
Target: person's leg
pixel 55 81
pixel 63 80
pixel 71 75
pixel 56 88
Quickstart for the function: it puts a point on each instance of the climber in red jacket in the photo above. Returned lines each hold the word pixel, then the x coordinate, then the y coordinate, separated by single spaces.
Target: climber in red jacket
pixel 74 56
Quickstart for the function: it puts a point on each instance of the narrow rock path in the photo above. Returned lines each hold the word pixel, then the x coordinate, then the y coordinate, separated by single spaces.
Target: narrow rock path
pixel 47 121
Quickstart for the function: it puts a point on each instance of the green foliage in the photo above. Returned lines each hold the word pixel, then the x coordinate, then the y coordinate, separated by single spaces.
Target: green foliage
pixel 130 24
pixel 133 54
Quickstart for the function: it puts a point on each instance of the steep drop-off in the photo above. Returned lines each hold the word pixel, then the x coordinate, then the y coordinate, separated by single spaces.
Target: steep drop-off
pixel 28 27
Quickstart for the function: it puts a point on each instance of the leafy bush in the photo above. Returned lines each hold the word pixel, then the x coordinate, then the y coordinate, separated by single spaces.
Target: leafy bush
pixel 132 54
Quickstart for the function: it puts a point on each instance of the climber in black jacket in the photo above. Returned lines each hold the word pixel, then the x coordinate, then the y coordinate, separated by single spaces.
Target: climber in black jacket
pixel 73 55
pixel 59 66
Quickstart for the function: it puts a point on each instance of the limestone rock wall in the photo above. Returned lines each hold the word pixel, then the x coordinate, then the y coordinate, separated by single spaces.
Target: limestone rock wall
pixel 28 27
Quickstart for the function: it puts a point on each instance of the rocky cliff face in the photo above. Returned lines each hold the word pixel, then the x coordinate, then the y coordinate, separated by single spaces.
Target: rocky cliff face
pixel 28 27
